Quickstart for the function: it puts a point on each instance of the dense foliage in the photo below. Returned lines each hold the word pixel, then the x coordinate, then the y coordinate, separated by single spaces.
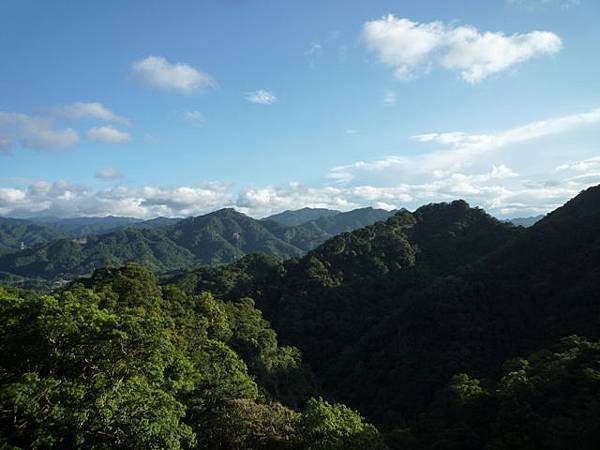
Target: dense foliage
pixel 118 362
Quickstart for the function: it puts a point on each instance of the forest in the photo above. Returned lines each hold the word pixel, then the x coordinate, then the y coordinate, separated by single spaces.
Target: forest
pixel 441 328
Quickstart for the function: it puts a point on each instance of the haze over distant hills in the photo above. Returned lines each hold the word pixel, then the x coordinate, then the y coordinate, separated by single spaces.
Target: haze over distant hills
pixel 526 221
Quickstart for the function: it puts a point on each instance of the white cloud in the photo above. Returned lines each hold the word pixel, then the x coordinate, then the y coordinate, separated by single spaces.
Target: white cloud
pixel 193 117
pixel 455 138
pixel 580 166
pixel 411 47
pixel 502 171
pixel 33 132
pixel 467 166
pixel 108 173
pixel 10 196
pixel 261 97
pixel 157 72
pixel 107 134
pixel 63 199
pixel 92 110
pixel 515 172
pixel 262 201
pixel 186 200
pixel 463 149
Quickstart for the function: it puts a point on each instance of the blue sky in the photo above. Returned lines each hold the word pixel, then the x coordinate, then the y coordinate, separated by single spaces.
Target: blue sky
pixel 146 108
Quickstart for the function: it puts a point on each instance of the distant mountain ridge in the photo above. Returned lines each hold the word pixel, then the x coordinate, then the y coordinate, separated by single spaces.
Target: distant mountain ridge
pixel 86 226
pixel 299 216
pixel 163 244
pixel 526 221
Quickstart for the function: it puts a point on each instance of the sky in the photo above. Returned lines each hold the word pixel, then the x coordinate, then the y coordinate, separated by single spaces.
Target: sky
pixel 179 108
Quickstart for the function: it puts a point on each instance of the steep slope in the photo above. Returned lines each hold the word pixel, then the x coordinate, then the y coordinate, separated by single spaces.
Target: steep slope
pixel 344 288
pixel 300 216
pixel 538 287
pixel 226 235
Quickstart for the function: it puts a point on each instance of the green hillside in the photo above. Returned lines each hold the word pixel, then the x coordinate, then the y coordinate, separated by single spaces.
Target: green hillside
pixel 165 244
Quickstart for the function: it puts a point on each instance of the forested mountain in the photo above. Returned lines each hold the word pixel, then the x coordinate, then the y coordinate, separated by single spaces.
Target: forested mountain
pixel 18 233
pixel 168 244
pixel 87 226
pixel 417 321
pixel 300 216
pixel 445 327
pixel 15 233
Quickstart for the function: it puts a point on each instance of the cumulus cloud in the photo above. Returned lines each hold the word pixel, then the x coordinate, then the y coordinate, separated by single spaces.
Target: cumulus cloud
pixel 33 132
pixel 107 134
pixel 473 166
pixel 108 173
pixel 157 72
pixel 412 47
pixel 92 110
pixel 63 199
pixel 261 97
pixel 460 149
pixel 580 166
pixel 514 172
pixel 261 201
pixel 186 200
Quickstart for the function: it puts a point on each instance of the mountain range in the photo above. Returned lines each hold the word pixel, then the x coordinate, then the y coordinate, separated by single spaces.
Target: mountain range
pixel 444 327
pixel 424 322
pixel 63 250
